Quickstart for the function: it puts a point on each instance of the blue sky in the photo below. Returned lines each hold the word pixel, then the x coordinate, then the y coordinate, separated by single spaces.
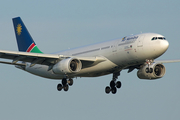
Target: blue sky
pixel 58 25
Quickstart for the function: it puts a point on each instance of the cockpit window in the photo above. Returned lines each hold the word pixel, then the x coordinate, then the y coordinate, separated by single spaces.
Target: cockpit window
pixel 158 38
pixel 154 38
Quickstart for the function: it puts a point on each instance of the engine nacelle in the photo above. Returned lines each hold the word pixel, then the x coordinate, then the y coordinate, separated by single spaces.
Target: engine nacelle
pixel 67 66
pixel 156 71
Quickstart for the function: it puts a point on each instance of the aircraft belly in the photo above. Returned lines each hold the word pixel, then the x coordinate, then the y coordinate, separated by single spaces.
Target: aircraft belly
pixel 42 70
pixel 100 69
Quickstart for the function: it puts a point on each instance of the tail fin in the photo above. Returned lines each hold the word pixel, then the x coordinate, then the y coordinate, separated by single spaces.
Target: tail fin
pixel 24 39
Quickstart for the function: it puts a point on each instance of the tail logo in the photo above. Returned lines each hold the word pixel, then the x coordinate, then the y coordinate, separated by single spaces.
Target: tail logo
pixel 19 28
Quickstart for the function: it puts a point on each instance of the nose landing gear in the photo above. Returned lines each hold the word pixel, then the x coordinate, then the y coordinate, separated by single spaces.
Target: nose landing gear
pixel 148 69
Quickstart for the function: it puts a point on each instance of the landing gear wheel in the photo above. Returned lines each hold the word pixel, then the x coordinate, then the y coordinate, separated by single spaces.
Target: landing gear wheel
pixel 114 90
pixel 59 87
pixel 150 70
pixel 118 84
pixel 66 88
pixel 70 82
pixel 107 89
pixel 64 81
pixel 147 70
pixel 112 84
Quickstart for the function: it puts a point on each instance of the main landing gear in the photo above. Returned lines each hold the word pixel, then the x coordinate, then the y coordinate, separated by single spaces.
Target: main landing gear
pixel 113 84
pixel 65 84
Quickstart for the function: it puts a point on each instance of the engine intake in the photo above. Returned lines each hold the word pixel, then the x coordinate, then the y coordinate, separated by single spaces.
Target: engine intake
pixel 67 66
pixel 156 71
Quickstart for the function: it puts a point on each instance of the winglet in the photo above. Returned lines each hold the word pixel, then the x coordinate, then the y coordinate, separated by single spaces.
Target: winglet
pixel 24 39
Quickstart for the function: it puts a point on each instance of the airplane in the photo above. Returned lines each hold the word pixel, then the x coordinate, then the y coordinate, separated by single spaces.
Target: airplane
pixel 110 57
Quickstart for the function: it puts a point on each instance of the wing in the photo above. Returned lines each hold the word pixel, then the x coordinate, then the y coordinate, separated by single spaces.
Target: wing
pixel 33 58
pixel 43 59
pixel 167 61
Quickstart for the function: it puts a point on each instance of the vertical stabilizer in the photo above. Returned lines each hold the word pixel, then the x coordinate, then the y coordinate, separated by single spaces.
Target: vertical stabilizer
pixel 24 39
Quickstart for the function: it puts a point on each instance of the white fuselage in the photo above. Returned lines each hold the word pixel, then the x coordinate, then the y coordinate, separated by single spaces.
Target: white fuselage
pixel 119 54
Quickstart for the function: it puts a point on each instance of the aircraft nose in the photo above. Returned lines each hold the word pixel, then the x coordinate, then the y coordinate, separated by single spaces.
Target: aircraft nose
pixel 164 45
pixel 161 47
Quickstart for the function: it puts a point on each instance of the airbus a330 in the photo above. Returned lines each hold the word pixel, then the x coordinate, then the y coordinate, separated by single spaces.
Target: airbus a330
pixel 110 57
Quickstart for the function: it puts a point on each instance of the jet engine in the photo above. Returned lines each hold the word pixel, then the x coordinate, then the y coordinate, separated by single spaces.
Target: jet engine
pixel 154 71
pixel 67 66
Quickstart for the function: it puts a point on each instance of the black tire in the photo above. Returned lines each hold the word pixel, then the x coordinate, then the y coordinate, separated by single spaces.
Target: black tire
pixel 59 87
pixel 114 90
pixel 66 88
pixel 70 82
pixel 107 89
pixel 151 70
pixel 147 70
pixel 112 84
pixel 118 84
pixel 64 81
